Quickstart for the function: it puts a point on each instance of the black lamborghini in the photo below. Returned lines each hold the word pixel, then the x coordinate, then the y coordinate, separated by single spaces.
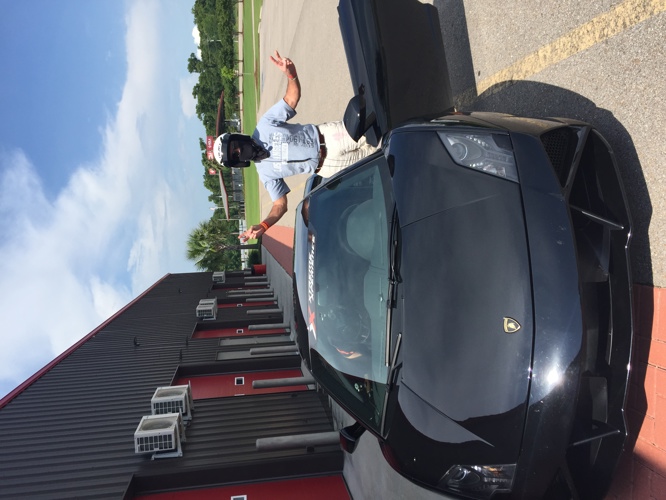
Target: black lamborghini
pixel 465 293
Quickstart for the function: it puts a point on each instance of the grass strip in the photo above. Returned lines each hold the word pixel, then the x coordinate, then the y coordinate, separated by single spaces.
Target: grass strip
pixel 250 98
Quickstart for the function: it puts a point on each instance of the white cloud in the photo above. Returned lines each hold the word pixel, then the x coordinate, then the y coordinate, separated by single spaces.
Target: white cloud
pixel 197 40
pixel 119 225
pixel 196 36
pixel 49 299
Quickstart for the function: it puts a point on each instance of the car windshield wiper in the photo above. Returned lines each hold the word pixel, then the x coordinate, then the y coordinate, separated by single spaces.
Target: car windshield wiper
pixel 393 277
pixel 394 246
pixel 390 379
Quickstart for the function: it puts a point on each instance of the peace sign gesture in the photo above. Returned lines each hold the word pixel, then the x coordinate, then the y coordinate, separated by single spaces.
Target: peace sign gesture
pixel 285 64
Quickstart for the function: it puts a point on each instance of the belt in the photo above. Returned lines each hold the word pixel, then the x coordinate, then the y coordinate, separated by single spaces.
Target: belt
pixel 322 150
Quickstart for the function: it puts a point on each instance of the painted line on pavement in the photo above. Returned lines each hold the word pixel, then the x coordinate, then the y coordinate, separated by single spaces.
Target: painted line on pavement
pixel 620 18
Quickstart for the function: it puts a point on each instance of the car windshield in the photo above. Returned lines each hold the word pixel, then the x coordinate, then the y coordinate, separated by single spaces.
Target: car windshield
pixel 348 278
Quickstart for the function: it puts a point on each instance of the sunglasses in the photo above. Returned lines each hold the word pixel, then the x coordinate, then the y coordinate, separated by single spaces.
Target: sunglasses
pixel 234 150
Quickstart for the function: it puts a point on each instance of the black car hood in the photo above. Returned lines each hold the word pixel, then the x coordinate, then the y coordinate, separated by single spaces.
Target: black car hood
pixel 465 268
pixel 396 58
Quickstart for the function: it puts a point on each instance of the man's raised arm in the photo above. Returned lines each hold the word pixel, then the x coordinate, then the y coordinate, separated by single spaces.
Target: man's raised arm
pixel 293 93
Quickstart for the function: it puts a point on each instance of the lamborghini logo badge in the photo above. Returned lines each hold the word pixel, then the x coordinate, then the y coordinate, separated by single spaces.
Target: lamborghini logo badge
pixel 511 325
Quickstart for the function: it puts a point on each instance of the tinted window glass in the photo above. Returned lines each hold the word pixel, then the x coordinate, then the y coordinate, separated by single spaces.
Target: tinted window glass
pixel 348 285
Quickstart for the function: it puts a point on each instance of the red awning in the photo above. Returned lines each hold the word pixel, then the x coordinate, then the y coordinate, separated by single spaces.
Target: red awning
pixel 223 192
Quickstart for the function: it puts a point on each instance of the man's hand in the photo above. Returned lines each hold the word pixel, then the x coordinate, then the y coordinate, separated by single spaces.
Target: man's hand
pixel 278 209
pixel 285 65
pixel 252 234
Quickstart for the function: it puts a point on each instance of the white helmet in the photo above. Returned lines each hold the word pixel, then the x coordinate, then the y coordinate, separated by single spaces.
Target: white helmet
pixel 237 150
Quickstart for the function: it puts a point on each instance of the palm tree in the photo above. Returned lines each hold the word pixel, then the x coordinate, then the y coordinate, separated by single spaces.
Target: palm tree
pixel 213 246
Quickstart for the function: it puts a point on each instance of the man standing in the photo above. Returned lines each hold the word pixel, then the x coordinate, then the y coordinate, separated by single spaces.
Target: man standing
pixel 280 149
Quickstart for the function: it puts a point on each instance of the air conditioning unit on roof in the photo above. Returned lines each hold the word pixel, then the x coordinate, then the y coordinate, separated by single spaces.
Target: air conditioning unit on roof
pixel 219 277
pixel 173 399
pixel 208 301
pixel 207 311
pixel 160 435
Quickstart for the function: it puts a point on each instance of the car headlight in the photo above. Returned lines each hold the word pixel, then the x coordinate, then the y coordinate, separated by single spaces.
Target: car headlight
pixel 490 153
pixel 478 481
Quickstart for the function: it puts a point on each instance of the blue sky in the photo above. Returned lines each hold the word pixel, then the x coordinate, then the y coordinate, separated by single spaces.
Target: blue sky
pixel 100 167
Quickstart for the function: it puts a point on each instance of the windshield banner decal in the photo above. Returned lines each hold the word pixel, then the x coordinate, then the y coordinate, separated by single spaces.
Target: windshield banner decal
pixel 311 287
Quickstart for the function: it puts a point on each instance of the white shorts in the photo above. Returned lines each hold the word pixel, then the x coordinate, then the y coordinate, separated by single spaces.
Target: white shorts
pixel 341 150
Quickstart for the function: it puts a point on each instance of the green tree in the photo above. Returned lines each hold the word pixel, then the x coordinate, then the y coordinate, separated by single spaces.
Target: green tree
pixel 216 21
pixel 227 74
pixel 194 64
pixel 213 246
pixel 211 182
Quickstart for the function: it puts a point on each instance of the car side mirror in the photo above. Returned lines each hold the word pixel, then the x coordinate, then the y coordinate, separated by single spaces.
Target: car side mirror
pixel 355 116
pixel 349 437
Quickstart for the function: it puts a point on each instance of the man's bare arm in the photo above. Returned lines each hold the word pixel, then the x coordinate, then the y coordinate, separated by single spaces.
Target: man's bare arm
pixel 278 209
pixel 293 93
